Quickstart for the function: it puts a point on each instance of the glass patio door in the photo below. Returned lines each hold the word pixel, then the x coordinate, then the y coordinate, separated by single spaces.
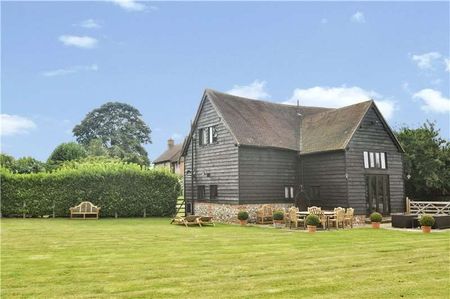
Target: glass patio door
pixel 377 194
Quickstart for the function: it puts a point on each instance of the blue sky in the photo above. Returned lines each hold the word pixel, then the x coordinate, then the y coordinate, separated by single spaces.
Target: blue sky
pixel 60 60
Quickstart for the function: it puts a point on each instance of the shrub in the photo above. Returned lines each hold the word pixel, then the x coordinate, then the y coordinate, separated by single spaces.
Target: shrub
pixel 278 215
pixel 312 220
pixel 376 217
pixel 426 220
pixel 66 152
pixel 116 187
pixel 242 215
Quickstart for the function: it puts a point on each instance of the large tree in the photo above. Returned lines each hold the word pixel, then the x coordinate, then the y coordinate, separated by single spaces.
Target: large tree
pixel 120 129
pixel 426 162
pixel 66 152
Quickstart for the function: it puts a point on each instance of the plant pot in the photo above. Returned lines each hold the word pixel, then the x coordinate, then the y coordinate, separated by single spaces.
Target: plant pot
pixel 426 229
pixel 376 225
pixel 312 228
pixel 243 222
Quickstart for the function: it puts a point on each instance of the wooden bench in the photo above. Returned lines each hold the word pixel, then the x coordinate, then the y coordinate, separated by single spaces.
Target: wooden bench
pixel 84 208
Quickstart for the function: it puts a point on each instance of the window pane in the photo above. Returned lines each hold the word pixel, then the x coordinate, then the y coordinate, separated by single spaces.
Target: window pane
pixel 213 191
pixel 372 160
pixel 201 192
pixel 214 134
pixel 377 160
pixel 383 160
pixel 366 160
pixel 210 134
pixel 286 192
pixel 292 192
pixel 200 136
pixel 206 135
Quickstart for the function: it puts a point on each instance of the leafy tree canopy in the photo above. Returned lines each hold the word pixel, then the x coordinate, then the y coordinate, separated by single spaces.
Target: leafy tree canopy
pixel 66 152
pixel 426 162
pixel 28 165
pixel 120 129
pixel 6 161
pixel 21 165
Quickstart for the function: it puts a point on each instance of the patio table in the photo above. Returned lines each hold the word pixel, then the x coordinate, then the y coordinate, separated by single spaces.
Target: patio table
pixel 327 214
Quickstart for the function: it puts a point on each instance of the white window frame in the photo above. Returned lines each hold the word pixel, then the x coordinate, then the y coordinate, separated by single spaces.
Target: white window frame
pixel 383 160
pixel 377 160
pixel 372 160
pixel 366 159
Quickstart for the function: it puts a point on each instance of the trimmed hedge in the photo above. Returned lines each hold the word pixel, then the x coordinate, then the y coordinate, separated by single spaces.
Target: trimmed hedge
pixel 125 189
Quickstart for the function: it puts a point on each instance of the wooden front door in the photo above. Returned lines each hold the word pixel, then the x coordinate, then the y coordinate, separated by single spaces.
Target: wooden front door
pixel 377 194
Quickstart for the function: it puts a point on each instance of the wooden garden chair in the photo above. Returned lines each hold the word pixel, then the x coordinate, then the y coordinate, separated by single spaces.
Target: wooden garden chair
pixel 295 219
pixel 264 215
pixel 338 218
pixel 348 219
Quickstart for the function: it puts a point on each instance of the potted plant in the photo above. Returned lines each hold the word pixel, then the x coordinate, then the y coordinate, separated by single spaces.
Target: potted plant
pixel 312 221
pixel 426 222
pixel 243 217
pixel 278 218
pixel 376 218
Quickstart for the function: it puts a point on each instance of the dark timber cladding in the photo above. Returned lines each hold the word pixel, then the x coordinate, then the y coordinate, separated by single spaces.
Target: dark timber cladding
pixel 214 164
pixel 259 157
pixel 263 174
pixel 374 136
pixel 324 179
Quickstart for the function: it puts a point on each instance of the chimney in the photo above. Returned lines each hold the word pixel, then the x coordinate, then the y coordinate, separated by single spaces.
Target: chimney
pixel 170 143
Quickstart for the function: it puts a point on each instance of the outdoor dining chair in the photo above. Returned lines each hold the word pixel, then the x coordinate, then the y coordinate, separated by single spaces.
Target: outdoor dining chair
pixel 295 219
pixel 338 218
pixel 348 219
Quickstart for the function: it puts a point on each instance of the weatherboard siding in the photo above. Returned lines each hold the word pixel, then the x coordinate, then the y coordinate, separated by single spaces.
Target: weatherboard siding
pixel 324 172
pixel 263 174
pixel 219 160
pixel 372 136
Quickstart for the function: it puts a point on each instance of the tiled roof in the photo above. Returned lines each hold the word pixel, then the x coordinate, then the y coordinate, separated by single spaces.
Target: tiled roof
pixel 171 154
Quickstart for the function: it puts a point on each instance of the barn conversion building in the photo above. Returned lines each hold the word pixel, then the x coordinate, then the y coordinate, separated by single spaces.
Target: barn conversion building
pixel 242 153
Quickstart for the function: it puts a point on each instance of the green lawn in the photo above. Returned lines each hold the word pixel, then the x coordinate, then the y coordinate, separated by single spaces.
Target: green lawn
pixel 148 258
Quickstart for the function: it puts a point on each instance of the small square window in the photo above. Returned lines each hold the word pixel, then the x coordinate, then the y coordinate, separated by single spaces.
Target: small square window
pixel 200 192
pixel 288 192
pixel 213 192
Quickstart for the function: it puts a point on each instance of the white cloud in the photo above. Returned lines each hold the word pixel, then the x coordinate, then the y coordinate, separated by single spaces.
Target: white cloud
pixel 70 70
pixel 90 23
pixel 132 5
pixel 15 124
pixel 358 17
pixel 335 97
pixel 426 61
pixel 84 42
pixel 447 64
pixel 256 90
pixel 433 100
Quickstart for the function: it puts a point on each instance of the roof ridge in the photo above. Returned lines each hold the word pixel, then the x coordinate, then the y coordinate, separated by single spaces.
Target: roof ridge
pixel 341 108
pixel 263 101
